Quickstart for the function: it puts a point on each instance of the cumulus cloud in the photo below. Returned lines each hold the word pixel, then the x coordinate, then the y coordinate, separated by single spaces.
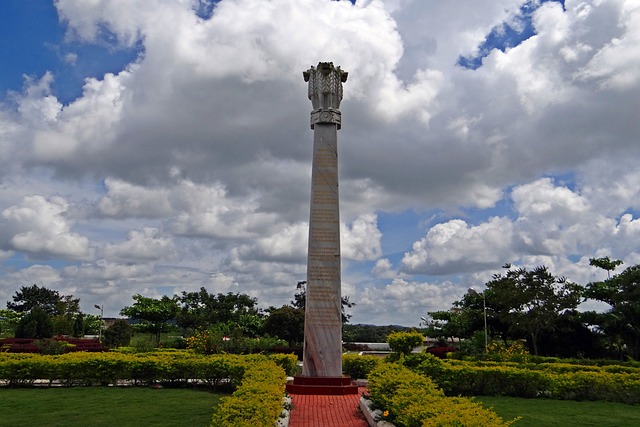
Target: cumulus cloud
pixel 361 239
pixel 551 224
pixel 191 166
pixel 39 227
pixel 455 246
pixel 148 244
pixel 402 300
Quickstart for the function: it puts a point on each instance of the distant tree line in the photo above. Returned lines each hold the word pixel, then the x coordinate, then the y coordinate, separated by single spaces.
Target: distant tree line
pixel 528 305
pixel 542 309
pixel 39 312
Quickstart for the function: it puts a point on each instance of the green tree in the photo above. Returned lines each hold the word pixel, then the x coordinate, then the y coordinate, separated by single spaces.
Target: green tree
pixel 153 314
pixel 200 310
pixel 300 300
pixel 35 324
pixel 461 321
pixel 9 322
pixel 403 343
pixel 606 264
pixel 621 323
pixel 92 324
pixel 29 297
pixel 78 326
pixel 286 323
pixel 63 307
pixel 118 334
pixel 530 301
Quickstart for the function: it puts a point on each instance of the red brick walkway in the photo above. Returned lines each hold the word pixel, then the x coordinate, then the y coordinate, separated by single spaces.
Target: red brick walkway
pixel 327 411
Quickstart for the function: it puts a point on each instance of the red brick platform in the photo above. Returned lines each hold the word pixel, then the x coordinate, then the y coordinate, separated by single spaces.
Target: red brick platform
pixel 322 385
pixel 327 411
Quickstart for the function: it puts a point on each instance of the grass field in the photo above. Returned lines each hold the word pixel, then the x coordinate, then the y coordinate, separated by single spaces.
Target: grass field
pixel 564 413
pixel 138 406
pixel 106 406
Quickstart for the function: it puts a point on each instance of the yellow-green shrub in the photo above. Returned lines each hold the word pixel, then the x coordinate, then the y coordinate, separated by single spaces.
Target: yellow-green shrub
pixel 404 342
pixel 82 368
pixel 409 399
pixel 288 362
pixel 553 380
pixel 258 400
pixel 359 366
pixel 458 411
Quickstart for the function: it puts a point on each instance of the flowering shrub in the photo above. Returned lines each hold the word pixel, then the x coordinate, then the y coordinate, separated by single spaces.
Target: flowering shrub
pixel 513 352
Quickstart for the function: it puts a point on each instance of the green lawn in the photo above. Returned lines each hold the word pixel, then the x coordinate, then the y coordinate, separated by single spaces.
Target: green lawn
pixel 564 413
pixel 106 406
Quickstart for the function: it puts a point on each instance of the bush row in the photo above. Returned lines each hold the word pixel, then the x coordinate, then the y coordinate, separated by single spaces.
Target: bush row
pixel 408 399
pixel 557 381
pixel 258 400
pixel 54 345
pixel 557 367
pixel 172 368
pixel 471 379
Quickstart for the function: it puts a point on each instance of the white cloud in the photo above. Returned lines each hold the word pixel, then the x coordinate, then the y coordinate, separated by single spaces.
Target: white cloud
pixel 149 244
pixel 126 200
pixel 191 167
pixel 38 106
pixel 402 302
pixel 39 227
pixel 617 63
pixel 361 240
pixel 455 246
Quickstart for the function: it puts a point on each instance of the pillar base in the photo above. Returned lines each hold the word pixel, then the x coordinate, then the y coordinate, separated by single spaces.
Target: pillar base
pixel 333 386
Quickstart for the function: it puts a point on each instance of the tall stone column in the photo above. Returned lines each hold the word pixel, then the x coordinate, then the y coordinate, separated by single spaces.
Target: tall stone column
pixel 323 316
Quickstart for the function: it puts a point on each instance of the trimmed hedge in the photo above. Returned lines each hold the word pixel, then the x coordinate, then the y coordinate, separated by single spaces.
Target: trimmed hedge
pixel 359 366
pixel 31 345
pixel 553 380
pixel 258 380
pixel 409 399
pixel 258 400
pixel 171 368
pixel 614 383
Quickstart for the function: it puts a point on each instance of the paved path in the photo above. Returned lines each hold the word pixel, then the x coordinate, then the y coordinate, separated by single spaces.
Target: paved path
pixel 327 411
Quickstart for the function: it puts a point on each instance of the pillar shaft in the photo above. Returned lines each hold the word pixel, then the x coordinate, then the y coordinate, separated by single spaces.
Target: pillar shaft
pixel 323 309
pixel 323 319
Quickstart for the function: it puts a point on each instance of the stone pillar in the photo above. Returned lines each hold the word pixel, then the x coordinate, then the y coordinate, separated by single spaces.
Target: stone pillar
pixel 323 315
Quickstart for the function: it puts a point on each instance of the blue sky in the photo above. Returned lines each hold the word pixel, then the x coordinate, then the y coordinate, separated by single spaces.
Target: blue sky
pixel 34 42
pixel 160 146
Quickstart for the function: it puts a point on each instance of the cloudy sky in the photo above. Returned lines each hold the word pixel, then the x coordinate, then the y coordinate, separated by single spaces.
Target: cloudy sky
pixel 158 146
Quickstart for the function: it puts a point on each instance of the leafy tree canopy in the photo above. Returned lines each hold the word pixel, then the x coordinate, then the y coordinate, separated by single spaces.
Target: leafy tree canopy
pixel 286 323
pixel 300 300
pixel 531 299
pixel 35 324
pixel 153 314
pixel 48 299
pixel 621 324
pixel 606 264
pixel 202 309
pixel 119 334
